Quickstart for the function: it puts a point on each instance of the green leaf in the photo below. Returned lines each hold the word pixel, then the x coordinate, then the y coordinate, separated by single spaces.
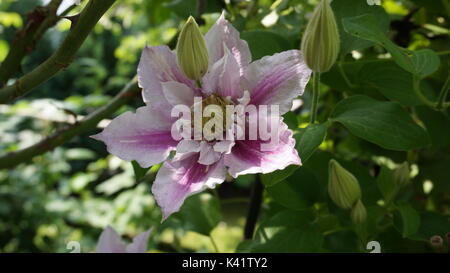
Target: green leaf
pixel 386 184
pixel 277 176
pixel 432 223
pixel 139 172
pixel 182 8
pixel 391 81
pixel 264 43
pixel 4 48
pixel 201 213
pixel 344 241
pixel 421 63
pixel 309 138
pixel 407 220
pixel 290 118
pixel 307 141
pixel 425 62
pixel 298 191
pixel 437 124
pixel 288 232
pixel 386 124
pixel 341 10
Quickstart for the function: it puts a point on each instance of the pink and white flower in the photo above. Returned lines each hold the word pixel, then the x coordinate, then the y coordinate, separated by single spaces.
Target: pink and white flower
pixel 110 242
pixel 145 136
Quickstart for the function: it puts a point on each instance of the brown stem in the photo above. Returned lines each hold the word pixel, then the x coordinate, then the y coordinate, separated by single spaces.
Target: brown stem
pixel 38 22
pixel 66 133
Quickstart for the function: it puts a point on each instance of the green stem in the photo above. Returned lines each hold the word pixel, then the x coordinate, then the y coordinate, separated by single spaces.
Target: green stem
pixel 62 58
pixel 417 90
pixel 344 75
pixel 315 97
pixel 213 242
pixel 443 95
pixel 59 137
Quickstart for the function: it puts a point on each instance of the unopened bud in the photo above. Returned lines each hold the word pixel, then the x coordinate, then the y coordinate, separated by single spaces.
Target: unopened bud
pixel 192 54
pixel 320 43
pixel 343 187
pixel 401 175
pixel 359 213
pixel 436 241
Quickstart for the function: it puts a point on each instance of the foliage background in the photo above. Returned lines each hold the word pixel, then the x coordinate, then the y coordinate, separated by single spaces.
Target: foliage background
pixel 74 191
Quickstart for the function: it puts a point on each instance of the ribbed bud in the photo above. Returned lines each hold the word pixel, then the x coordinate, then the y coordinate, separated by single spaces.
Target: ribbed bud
pixel 359 213
pixel 343 187
pixel 320 43
pixel 401 175
pixel 192 54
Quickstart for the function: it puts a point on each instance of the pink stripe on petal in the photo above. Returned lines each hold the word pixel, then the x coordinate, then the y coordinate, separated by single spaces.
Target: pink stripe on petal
pixel 176 180
pixel 247 156
pixel 277 79
pixel 143 136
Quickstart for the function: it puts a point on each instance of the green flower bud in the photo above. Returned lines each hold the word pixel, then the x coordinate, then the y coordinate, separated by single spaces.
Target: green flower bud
pixel 401 175
pixel 320 43
pixel 359 213
pixel 192 54
pixel 343 187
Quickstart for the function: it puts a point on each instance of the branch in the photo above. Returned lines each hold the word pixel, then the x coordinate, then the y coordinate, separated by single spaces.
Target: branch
pixel 66 133
pixel 62 58
pixel 39 20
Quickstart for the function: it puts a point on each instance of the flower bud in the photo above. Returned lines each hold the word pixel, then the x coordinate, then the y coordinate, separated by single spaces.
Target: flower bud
pixel 401 175
pixel 343 187
pixel 359 213
pixel 320 43
pixel 192 54
pixel 436 241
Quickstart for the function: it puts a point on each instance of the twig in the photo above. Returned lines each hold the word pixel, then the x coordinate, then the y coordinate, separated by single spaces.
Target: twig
pixel 64 134
pixel 38 22
pixel 62 58
pixel 255 206
pixel 443 95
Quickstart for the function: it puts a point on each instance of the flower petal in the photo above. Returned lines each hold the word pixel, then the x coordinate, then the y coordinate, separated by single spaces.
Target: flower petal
pixel 176 180
pixel 277 79
pixel 222 32
pixel 110 242
pixel 247 156
pixel 158 64
pixel 178 93
pixel 144 136
pixel 223 77
pixel 223 146
pixel 139 244
pixel 208 155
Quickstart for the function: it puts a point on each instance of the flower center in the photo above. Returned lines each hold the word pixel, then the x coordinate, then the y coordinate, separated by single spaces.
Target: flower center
pixel 213 115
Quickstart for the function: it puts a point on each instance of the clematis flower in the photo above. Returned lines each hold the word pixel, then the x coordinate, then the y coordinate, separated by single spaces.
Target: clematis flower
pixel 232 79
pixel 110 242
